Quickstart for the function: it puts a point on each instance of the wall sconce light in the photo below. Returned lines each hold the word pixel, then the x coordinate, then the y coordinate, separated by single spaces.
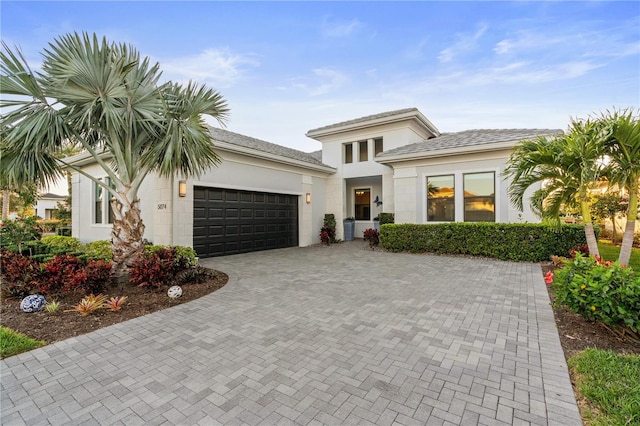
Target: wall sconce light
pixel 308 198
pixel 182 188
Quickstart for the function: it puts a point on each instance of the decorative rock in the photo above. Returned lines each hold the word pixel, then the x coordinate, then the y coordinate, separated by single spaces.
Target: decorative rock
pixel 33 303
pixel 174 292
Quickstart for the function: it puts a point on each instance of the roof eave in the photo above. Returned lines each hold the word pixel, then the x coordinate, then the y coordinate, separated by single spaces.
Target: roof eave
pixel 416 115
pixel 229 147
pixel 446 152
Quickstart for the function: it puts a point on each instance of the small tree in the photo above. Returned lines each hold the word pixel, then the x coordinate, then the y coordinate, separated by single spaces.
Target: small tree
pixel 609 205
pixel 567 166
pixel 104 98
pixel 622 147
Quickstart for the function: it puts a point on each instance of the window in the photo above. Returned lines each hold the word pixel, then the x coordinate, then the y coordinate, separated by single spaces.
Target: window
pixel 103 203
pixel 378 146
pixel 348 153
pixel 364 151
pixel 479 197
pixel 440 199
pixel 363 204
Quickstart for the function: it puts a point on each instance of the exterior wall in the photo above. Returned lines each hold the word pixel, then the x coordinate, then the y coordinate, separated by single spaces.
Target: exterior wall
pixel 44 204
pixel 339 193
pixel 168 218
pixel 411 194
pixel 255 174
pixel 82 208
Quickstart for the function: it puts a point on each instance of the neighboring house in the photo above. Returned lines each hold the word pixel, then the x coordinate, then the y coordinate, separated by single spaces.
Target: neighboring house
pixel 266 196
pixel 47 205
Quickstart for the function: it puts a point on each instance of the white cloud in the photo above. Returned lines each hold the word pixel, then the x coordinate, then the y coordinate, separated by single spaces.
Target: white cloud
pixel 220 67
pixel 325 80
pixel 569 42
pixel 416 51
pixel 340 29
pixel 464 43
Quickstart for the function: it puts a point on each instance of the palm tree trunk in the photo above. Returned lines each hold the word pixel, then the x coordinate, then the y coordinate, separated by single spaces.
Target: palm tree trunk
pixel 5 203
pixel 126 238
pixel 629 229
pixel 589 233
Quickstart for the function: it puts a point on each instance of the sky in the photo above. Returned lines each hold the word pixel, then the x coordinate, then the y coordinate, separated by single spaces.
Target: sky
pixel 288 67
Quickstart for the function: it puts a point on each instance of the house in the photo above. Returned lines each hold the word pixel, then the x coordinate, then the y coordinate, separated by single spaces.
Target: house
pixel 265 196
pixel 47 205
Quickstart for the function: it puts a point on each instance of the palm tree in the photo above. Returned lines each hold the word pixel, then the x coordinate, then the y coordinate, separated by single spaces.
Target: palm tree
pixel 104 98
pixel 567 166
pixel 623 151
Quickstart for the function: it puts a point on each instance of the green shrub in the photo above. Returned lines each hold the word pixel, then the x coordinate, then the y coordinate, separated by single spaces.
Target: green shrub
pixel 600 291
pixel 49 225
pixel 61 244
pixel 98 250
pixel 15 233
pixel 386 218
pixel 506 241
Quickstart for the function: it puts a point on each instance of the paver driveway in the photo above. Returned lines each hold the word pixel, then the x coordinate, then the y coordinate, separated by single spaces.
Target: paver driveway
pixel 320 335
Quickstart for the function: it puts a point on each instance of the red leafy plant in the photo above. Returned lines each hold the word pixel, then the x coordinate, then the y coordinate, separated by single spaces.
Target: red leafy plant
pixel 372 236
pixel 157 268
pixel 93 278
pixel 59 273
pixel 20 275
pixel 583 249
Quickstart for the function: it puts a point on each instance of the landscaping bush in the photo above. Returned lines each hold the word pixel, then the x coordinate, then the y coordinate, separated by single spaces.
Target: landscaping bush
pixel 19 275
pixel 506 241
pixel 94 277
pixel 372 236
pixel 59 273
pixel 158 266
pixel 49 225
pixel 386 218
pixel 183 257
pixel 600 291
pixel 98 250
pixel 61 244
pixel 328 231
pixel 14 233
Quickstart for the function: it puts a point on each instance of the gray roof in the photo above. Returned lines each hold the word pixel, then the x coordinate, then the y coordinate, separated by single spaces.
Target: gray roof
pixel 317 155
pixel 52 195
pixel 365 119
pixel 469 138
pixel 263 146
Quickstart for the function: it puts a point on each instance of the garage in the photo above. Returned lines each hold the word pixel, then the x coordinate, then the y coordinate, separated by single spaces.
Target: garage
pixel 229 221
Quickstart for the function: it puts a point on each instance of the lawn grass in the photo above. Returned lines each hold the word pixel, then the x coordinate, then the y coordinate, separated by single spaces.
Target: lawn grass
pixel 13 343
pixel 609 251
pixel 611 384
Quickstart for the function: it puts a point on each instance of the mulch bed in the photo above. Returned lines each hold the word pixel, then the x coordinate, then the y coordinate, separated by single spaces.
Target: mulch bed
pixel 141 301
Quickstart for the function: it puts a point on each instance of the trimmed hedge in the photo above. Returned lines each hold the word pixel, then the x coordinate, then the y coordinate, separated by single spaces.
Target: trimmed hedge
pixel 507 241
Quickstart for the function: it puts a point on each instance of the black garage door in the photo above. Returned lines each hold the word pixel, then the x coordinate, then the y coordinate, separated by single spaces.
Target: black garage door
pixel 228 221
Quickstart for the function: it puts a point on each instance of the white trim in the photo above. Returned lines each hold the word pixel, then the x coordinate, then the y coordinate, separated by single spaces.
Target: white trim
pixel 471 149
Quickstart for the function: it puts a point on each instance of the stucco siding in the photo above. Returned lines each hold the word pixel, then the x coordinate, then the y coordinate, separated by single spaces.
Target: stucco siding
pixel 458 166
pixel 83 207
